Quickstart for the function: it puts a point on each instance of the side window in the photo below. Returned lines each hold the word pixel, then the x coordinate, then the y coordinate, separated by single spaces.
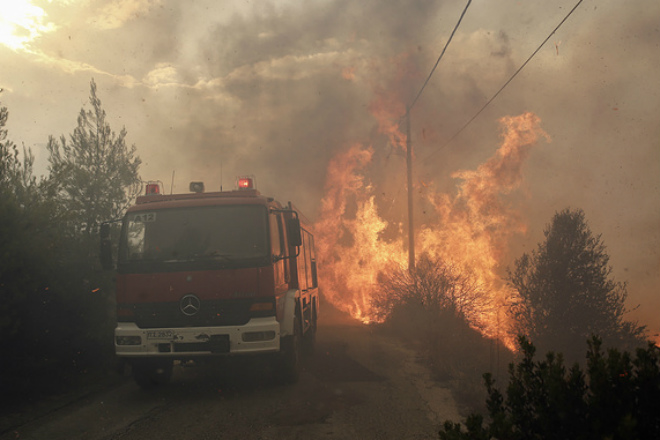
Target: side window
pixel 308 259
pixel 303 269
pixel 312 252
pixel 275 234
pixel 135 239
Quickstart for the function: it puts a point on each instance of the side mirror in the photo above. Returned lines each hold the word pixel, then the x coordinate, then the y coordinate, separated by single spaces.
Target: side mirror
pixel 293 231
pixel 106 247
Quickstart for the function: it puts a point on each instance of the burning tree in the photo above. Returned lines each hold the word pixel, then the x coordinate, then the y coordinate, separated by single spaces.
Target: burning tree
pixel 566 290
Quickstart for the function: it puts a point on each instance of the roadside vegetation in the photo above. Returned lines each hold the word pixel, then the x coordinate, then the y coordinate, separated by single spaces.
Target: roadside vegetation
pixel 565 297
pixel 566 292
pixel 616 396
pixel 57 314
pixel 57 311
pixel 429 308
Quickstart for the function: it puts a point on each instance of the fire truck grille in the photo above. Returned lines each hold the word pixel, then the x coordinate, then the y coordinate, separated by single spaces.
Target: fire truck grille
pixel 210 313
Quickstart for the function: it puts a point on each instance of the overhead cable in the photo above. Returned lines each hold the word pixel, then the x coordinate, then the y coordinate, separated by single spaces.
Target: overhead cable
pixel 440 57
pixel 507 82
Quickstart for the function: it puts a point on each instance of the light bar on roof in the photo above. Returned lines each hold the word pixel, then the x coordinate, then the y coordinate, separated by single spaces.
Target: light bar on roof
pixel 246 182
pixel 153 188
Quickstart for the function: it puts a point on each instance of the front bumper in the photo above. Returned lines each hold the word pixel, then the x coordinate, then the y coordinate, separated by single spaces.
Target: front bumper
pixel 259 335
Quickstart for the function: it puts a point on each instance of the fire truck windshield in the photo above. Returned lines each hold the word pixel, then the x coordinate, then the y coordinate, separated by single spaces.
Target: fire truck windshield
pixel 235 234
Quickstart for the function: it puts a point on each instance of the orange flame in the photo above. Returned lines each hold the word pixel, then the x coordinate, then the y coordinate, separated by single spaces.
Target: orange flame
pixel 474 227
pixel 349 247
pixel 387 110
pixel 471 232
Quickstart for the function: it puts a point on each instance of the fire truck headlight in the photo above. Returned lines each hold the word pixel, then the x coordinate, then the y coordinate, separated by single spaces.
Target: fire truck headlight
pixel 128 340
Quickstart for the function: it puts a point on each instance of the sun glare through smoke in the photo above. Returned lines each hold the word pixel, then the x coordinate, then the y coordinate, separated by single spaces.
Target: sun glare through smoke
pixel 20 23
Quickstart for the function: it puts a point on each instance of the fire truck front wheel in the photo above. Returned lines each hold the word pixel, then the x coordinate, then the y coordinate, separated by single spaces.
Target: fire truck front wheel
pixel 149 374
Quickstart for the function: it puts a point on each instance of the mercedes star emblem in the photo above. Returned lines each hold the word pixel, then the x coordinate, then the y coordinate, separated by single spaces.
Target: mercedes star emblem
pixel 189 305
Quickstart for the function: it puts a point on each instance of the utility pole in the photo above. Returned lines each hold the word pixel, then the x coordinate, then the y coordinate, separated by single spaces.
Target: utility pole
pixel 411 229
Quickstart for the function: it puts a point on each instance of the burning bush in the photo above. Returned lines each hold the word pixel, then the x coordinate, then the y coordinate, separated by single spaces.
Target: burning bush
pixel 431 306
pixel 433 286
pixel 358 238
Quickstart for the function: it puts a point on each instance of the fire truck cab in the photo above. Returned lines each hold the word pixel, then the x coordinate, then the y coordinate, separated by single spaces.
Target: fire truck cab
pixel 205 275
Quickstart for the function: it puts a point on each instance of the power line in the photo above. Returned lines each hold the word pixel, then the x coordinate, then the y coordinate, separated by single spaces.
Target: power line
pixel 440 57
pixel 411 229
pixel 507 82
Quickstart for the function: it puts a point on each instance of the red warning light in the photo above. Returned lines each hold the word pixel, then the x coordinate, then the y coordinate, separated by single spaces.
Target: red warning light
pixel 246 182
pixel 152 188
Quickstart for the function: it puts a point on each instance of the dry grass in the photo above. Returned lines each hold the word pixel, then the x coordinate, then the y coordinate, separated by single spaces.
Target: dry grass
pixel 428 309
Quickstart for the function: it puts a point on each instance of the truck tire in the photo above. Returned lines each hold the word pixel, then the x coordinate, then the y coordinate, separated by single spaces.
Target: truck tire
pixel 287 368
pixel 149 374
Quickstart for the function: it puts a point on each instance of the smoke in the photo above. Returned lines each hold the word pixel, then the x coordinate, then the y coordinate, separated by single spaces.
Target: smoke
pixel 210 90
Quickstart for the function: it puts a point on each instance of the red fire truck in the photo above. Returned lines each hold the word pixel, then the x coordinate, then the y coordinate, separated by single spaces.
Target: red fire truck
pixel 212 274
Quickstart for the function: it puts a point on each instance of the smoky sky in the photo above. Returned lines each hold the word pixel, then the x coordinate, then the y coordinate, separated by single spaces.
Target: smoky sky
pixel 210 90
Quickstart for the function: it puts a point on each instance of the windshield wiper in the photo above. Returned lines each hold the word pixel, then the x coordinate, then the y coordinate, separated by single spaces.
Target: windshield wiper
pixel 213 255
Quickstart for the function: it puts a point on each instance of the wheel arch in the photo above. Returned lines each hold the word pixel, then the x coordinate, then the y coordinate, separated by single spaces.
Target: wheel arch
pixel 291 309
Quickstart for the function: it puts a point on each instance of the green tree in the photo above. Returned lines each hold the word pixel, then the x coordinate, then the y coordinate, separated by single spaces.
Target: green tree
pixel 616 397
pixel 30 240
pixel 15 173
pixel 56 313
pixel 95 173
pixel 566 291
pixel 18 230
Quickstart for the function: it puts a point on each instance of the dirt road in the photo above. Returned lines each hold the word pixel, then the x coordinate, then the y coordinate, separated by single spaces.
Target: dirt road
pixel 359 384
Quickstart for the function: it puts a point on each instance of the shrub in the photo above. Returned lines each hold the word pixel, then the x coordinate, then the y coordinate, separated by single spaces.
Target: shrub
pixel 429 308
pixel 617 398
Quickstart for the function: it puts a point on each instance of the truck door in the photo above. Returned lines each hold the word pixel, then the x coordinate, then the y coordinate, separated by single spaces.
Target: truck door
pixel 278 248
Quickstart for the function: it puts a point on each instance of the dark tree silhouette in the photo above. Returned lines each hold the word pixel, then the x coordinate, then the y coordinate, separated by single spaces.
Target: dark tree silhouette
pixel 56 309
pixel 615 397
pixel 567 293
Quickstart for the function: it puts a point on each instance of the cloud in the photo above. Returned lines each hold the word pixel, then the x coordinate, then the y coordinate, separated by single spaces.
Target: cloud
pixel 164 74
pixel 118 12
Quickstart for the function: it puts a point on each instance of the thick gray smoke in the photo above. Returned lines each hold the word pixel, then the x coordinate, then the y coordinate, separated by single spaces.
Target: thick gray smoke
pixel 210 90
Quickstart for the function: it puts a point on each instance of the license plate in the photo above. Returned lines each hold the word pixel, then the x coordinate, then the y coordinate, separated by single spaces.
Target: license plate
pixel 160 334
